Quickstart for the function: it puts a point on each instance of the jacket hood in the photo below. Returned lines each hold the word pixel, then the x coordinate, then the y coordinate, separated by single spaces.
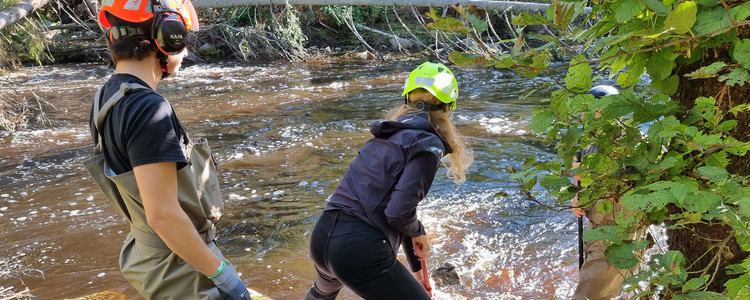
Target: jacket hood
pixel 412 121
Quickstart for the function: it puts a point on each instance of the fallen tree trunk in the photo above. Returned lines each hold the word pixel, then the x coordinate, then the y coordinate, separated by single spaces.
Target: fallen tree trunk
pixel 22 9
pixel 482 4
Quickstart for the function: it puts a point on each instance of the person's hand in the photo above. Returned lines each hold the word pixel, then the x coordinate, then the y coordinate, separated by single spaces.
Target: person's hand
pixel 579 212
pixel 421 246
pixel 230 283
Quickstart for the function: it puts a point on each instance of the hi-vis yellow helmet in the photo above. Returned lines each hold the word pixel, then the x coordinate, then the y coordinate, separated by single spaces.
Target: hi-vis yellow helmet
pixel 437 79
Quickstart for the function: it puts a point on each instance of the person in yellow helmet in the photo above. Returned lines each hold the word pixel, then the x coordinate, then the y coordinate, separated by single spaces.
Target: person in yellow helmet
pixel 164 183
pixel 373 212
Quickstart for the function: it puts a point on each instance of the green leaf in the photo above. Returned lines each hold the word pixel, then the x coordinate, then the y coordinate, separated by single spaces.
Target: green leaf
pixel 713 173
pixel 449 25
pixel 707 3
pixel 704 295
pixel 745 206
pixel 741 53
pixel 657 6
pixel 601 163
pixel 659 65
pixel 625 10
pixel 718 159
pixel 656 216
pixel 740 108
pixel 739 288
pixel 623 256
pixel 711 20
pixel 479 24
pixel 709 71
pixel 604 233
pixel 578 78
pixel 727 125
pixel 682 18
pixel 542 122
pixel 737 76
pixel 636 66
pixel 667 86
pixel 740 12
pixel 695 283
pixel 536 60
pixel 605 207
pixel 618 106
pixel 526 19
pixel 465 59
pixel 563 13
pixel 672 260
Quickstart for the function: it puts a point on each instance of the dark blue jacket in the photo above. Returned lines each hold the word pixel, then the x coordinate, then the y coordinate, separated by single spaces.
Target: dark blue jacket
pixel 391 175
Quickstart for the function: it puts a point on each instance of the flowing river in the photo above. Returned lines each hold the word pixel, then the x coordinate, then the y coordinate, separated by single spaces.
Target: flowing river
pixel 283 134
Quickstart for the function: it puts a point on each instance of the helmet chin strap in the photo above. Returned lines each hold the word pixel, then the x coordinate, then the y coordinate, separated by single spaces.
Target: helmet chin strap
pixel 163 63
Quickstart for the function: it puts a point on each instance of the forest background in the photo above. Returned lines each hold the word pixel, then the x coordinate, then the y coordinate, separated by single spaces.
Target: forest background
pixel 689 171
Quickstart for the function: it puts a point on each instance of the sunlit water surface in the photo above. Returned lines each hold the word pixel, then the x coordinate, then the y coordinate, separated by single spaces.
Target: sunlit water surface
pixel 283 135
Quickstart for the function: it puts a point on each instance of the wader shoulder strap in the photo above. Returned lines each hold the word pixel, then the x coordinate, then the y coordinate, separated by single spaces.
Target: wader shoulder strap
pixel 100 114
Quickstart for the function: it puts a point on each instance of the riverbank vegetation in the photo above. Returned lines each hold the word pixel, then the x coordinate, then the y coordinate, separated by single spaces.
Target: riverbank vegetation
pixel 674 156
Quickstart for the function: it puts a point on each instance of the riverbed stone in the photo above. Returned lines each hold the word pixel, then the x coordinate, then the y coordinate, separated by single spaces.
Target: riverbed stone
pixel 446 275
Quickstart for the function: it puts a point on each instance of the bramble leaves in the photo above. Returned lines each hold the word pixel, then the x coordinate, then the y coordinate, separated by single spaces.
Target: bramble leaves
pixel 709 71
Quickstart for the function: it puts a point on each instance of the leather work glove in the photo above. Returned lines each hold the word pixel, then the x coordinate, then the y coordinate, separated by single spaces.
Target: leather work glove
pixel 230 284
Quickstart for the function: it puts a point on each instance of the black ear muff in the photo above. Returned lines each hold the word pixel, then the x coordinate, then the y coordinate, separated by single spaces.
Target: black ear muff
pixel 169 32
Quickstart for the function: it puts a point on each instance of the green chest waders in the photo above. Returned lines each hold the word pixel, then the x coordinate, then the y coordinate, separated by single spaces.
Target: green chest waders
pixel 145 260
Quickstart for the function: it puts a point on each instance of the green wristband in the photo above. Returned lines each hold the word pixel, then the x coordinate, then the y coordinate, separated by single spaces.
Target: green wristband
pixel 221 268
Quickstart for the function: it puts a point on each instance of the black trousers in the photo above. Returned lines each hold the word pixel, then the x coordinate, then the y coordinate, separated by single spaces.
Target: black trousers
pixel 347 251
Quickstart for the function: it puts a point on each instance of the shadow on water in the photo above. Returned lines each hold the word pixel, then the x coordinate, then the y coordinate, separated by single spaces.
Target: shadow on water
pixel 284 134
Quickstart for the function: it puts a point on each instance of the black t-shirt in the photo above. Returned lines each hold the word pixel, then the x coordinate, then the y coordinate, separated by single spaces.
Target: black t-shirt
pixel 141 129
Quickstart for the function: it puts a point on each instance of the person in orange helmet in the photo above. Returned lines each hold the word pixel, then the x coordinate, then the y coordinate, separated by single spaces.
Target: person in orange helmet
pixel 164 183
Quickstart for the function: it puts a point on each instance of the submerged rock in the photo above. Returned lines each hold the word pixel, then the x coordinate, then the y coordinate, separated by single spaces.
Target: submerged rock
pixel 445 275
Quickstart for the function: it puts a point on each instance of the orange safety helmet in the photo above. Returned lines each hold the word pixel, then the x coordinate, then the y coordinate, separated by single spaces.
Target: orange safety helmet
pixel 137 11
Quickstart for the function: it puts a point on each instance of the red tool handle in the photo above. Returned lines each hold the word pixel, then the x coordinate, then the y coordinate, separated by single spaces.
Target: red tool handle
pixel 426 278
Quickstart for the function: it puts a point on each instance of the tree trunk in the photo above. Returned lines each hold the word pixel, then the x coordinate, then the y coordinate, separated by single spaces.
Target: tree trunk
pixel 691 241
pixel 483 4
pixel 12 15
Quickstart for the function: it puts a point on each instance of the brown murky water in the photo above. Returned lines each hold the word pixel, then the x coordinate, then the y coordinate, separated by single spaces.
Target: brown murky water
pixel 283 134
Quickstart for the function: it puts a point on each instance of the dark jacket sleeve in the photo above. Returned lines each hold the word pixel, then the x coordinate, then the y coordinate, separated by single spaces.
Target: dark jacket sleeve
pixel 401 212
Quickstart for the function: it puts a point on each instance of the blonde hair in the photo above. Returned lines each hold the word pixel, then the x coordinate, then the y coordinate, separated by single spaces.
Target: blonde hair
pixel 460 158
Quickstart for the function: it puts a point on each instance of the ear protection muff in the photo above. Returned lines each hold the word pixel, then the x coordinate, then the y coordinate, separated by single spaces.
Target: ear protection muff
pixel 169 32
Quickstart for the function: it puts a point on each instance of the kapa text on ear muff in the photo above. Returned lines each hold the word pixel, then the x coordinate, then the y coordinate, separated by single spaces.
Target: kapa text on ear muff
pixel 169 32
